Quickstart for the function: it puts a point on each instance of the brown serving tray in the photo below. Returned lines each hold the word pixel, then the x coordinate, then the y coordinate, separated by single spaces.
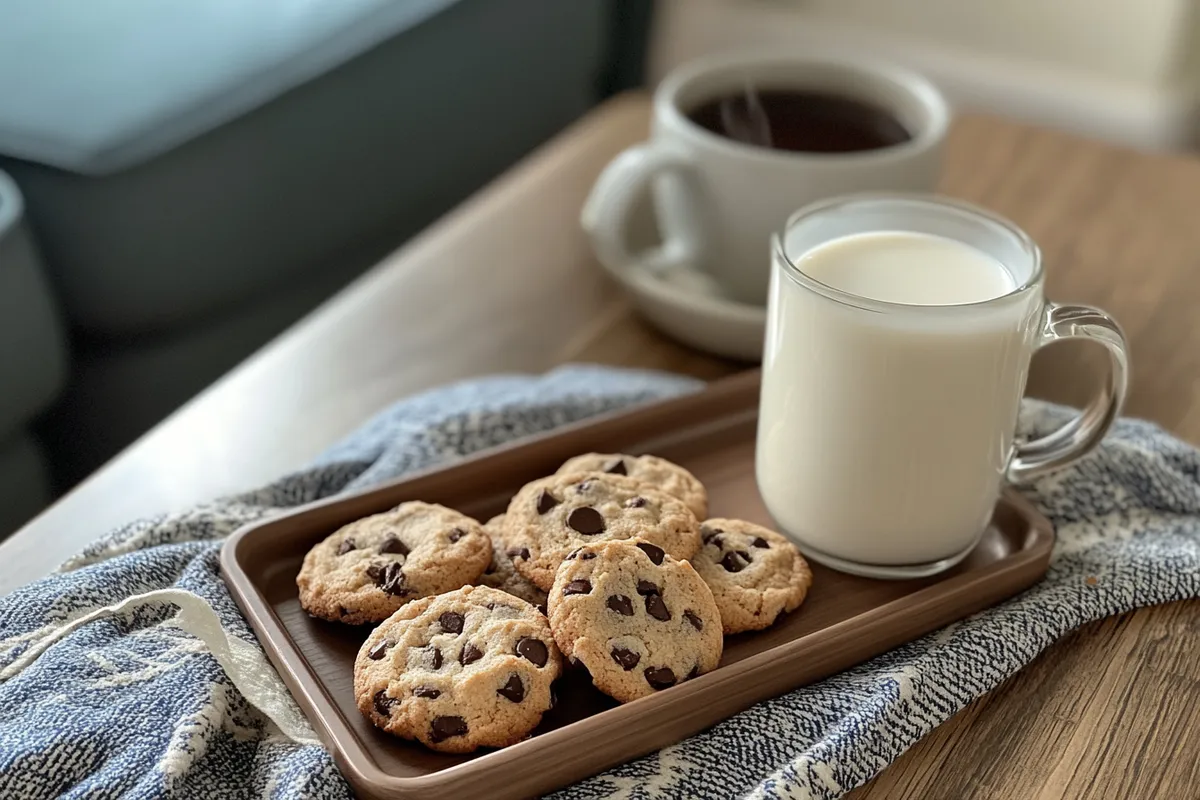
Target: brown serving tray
pixel 846 619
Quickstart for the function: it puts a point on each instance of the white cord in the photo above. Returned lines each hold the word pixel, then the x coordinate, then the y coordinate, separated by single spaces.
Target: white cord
pixel 244 663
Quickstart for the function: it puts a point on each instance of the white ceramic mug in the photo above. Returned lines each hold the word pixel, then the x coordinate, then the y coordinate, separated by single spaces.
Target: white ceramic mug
pixel 887 429
pixel 718 200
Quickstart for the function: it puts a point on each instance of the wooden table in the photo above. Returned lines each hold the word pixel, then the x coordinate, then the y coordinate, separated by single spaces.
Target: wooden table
pixel 1105 713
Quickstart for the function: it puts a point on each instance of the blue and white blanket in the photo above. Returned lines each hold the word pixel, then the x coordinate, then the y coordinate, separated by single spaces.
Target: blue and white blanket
pixel 128 673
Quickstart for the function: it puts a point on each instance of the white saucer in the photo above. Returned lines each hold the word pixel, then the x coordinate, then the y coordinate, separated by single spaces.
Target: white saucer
pixel 687 305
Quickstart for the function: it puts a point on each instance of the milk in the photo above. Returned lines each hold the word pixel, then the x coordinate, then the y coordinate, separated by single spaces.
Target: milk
pixel 885 430
pixel 910 268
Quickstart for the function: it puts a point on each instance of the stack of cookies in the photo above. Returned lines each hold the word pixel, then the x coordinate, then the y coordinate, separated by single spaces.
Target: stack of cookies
pixel 610 561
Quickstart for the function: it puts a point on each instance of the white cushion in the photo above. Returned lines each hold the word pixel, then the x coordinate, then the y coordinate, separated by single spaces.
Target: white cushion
pixel 94 86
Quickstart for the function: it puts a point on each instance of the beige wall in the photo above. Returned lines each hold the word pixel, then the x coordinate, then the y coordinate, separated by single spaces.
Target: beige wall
pixel 1139 40
pixel 1125 70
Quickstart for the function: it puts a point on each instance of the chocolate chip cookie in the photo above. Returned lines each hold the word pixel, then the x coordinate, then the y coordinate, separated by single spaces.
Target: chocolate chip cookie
pixel 639 620
pixel 550 517
pixel 501 574
pixel 755 573
pixel 652 470
pixel 366 570
pixel 467 669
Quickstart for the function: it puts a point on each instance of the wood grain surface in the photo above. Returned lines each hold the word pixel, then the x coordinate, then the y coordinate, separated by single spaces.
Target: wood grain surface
pixel 506 282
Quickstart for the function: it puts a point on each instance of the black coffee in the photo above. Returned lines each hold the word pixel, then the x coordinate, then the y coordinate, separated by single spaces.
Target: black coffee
pixel 802 121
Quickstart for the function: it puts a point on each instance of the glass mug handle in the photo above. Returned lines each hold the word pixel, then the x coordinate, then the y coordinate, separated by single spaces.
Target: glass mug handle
pixel 1079 436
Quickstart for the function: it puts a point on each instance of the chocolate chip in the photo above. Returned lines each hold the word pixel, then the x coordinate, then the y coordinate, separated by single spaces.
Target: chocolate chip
pixel 518 552
pixel 716 542
pixel 733 562
pixel 378 651
pixel 533 650
pixel 571 556
pixel 646 587
pixel 513 690
pixel 635 502
pixel 437 658
pixel 427 692
pixel 582 487
pixel 620 604
pixel 656 608
pixel 656 553
pixel 577 587
pixel 587 556
pixel 626 658
pixel 346 546
pixel 456 534
pixel 546 501
pixel 470 654
pixel 617 467
pixel 394 546
pixel 451 622
pixel 384 704
pixel 744 555
pixel 389 578
pixel 691 617
pixel 694 673
pixel 443 728
pixel 660 677
pixel 707 533
pixel 586 520
pixel 397 586
pixel 760 542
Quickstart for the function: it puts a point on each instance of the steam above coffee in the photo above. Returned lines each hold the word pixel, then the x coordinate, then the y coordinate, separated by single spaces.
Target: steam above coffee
pixel 801 120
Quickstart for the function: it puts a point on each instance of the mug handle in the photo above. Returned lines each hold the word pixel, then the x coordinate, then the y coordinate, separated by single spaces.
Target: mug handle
pixel 1079 436
pixel 605 215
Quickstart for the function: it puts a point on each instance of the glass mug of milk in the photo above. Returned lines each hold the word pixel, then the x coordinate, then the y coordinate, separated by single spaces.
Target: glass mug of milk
pixel 899 334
